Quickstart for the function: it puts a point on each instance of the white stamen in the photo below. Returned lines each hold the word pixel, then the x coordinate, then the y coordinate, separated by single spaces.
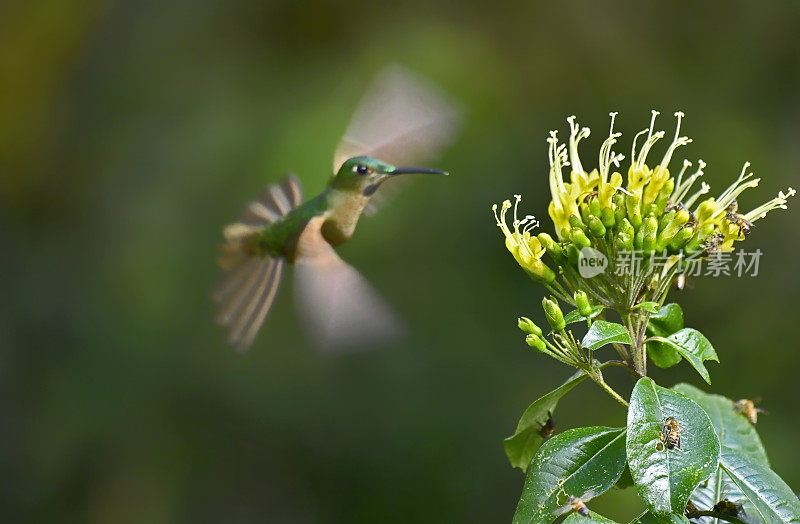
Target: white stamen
pixel 576 134
pixel 704 188
pixel 778 202
pixel 681 190
pixel 607 156
pixel 557 155
pixel 735 189
pixel 676 142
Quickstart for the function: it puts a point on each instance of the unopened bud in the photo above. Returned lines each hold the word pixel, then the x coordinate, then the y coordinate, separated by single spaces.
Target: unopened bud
pixel 607 217
pixel 553 314
pixel 579 238
pixel 582 303
pixel 666 218
pixel 627 228
pixel 596 227
pixel 585 213
pixel 573 254
pixel 665 193
pixel 594 207
pixel 574 222
pixel 535 342
pixel 650 230
pixel 527 326
pixel 681 238
pixel 624 242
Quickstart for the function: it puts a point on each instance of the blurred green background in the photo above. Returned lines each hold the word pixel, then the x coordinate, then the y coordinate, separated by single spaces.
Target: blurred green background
pixel 130 132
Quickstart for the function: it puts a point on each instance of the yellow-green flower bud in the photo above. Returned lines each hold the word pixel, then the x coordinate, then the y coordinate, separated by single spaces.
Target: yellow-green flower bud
pixel 545 240
pixel 553 314
pixel 607 217
pixel 573 254
pixel 596 227
pixel 638 239
pixel 594 207
pixel 681 238
pixel 535 342
pixel 527 326
pixel 651 210
pixel 627 228
pixel 576 222
pixel 633 209
pixel 624 242
pixel 585 213
pixel 650 230
pixel 665 193
pixel 579 238
pixel 666 218
pixel 582 303
pixel 620 211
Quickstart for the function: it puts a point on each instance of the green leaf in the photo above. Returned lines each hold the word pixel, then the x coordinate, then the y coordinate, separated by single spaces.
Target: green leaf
pixel 652 307
pixel 602 333
pixel 695 348
pixel 522 445
pixel 665 477
pixel 768 494
pixel 666 321
pixel 648 518
pixel 582 462
pixel 577 518
pixel 734 432
pixel 733 428
pixel 662 355
pixel 575 315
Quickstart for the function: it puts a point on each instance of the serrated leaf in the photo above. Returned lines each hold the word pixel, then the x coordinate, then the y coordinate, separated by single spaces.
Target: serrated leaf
pixel 650 518
pixel 695 348
pixel 593 518
pixel 602 333
pixel 735 432
pixel 575 315
pixel 665 478
pixel 522 445
pixel 582 462
pixel 771 498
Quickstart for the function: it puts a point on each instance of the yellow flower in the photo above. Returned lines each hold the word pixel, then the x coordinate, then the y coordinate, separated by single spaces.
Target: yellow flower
pixel 526 249
pixel 645 186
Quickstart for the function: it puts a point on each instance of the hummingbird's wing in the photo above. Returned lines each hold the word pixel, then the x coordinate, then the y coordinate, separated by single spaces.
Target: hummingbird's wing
pixel 403 120
pixel 343 311
pixel 249 283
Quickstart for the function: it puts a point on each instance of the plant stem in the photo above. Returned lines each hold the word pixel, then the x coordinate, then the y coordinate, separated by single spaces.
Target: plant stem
pixel 597 377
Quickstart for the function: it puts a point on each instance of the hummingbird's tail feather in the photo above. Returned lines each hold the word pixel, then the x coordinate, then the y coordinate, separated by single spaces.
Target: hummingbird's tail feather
pixel 250 279
pixel 343 311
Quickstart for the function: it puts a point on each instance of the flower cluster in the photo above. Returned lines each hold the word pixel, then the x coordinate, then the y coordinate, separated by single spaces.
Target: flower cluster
pixel 651 211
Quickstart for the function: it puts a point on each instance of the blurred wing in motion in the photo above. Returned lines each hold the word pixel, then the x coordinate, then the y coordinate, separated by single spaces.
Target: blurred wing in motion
pixel 344 312
pixel 249 283
pixel 402 120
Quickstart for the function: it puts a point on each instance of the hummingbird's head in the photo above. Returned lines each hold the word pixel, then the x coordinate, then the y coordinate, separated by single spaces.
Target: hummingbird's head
pixel 365 174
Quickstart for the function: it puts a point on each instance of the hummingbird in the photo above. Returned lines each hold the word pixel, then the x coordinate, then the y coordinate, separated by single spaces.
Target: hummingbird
pixel 402 118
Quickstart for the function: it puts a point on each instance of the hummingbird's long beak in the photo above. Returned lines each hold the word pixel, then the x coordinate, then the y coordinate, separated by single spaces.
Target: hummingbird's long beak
pixel 417 171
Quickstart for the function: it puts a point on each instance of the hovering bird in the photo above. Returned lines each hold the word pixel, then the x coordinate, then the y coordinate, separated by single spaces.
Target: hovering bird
pixel 401 119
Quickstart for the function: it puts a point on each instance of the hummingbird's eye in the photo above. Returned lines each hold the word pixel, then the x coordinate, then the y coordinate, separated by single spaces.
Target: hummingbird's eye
pixel 362 170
